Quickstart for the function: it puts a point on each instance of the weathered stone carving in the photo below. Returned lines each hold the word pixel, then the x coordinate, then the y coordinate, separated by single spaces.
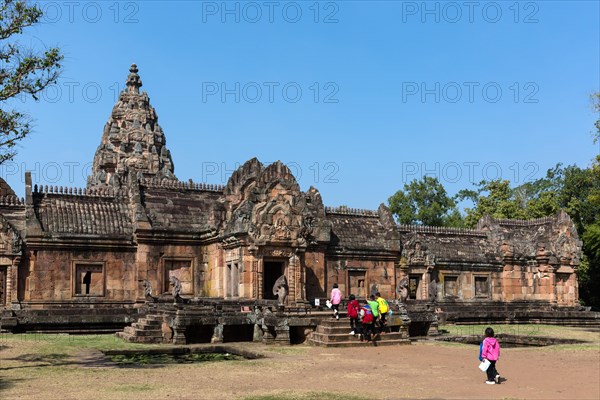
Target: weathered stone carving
pixel 374 289
pixel 148 290
pixel 402 289
pixel 268 206
pixel 132 140
pixel 176 291
pixel 10 240
pixel 280 289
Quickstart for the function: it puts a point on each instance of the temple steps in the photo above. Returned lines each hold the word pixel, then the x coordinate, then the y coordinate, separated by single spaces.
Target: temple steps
pixel 335 333
pixel 146 330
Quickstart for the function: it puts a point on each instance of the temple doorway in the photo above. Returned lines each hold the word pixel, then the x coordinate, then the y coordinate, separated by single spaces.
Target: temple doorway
pixel 272 270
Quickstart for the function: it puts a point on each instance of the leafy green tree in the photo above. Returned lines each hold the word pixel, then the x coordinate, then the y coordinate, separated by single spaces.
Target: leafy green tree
pixel 495 198
pixel 22 71
pixel 425 202
pixel 596 105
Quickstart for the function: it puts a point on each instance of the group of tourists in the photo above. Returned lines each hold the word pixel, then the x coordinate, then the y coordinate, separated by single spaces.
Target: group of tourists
pixel 370 318
pixel 366 319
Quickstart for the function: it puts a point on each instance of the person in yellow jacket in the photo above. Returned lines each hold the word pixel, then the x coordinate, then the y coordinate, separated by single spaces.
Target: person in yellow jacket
pixel 383 309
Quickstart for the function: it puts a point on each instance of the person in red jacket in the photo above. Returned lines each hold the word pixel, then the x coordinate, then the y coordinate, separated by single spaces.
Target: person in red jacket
pixel 353 308
pixel 491 351
pixel 366 319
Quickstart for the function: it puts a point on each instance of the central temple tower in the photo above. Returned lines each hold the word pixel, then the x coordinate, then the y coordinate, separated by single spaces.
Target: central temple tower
pixel 132 140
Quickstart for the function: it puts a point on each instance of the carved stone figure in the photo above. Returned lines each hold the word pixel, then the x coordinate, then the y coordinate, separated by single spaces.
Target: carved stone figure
pixel 176 291
pixel 148 290
pixel 402 289
pixel 361 288
pixel 374 289
pixel 416 256
pixel 280 289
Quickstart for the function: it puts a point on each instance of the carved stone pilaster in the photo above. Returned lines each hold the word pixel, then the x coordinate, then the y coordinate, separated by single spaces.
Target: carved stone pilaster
pixel 255 283
pixel 12 280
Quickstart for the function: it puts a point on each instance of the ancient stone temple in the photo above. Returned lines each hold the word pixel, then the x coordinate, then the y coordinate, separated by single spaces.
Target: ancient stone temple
pixel 95 255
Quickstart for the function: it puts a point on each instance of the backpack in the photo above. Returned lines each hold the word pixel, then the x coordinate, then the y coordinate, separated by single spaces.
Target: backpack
pixel 368 317
pixel 383 306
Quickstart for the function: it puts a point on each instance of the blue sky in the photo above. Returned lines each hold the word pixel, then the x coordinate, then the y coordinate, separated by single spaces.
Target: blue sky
pixel 390 90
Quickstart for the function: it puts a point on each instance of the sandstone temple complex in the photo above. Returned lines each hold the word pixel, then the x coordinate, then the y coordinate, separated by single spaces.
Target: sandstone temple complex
pixel 95 256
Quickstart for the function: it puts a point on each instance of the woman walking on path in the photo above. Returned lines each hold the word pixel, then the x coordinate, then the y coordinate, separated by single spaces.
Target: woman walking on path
pixel 491 352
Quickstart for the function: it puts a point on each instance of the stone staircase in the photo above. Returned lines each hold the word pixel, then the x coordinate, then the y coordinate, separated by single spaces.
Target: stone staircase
pixel 146 330
pixel 335 333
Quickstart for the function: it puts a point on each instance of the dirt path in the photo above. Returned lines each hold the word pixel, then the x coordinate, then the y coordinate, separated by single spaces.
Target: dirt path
pixel 417 371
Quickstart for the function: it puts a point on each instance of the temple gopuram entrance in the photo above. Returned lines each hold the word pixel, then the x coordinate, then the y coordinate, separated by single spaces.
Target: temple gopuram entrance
pixel 272 270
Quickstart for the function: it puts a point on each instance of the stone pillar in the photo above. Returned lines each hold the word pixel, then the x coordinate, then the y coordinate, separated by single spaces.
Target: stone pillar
pixel 254 264
pixel 425 279
pixel 260 279
pixel 217 334
pixel 12 281
pixel 178 332
pixel 257 336
pixel 282 334
pixel 293 279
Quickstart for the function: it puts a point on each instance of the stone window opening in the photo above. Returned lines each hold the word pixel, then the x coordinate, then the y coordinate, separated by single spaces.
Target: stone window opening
pixel 482 286
pixel 451 286
pixel 89 279
pixel 233 280
pixel 181 268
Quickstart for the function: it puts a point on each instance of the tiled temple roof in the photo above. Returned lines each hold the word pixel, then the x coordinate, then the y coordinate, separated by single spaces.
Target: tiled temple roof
pixel 451 247
pixel 181 208
pixel 361 232
pixel 68 211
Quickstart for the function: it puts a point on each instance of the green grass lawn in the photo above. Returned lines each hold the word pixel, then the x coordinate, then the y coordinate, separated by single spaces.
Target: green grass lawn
pixel 563 332
pixel 49 343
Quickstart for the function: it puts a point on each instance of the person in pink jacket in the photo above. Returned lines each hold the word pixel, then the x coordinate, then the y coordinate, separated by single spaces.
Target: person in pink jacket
pixel 491 352
pixel 336 299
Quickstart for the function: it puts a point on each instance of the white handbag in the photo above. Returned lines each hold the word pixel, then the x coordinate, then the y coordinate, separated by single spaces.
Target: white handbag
pixel 485 364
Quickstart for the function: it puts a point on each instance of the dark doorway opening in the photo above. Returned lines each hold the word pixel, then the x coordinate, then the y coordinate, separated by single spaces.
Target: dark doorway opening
pixel 271 272
pixel 238 333
pixel 199 334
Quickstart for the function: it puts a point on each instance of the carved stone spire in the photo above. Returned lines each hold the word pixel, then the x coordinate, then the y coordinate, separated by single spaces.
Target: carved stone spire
pixel 133 80
pixel 132 140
